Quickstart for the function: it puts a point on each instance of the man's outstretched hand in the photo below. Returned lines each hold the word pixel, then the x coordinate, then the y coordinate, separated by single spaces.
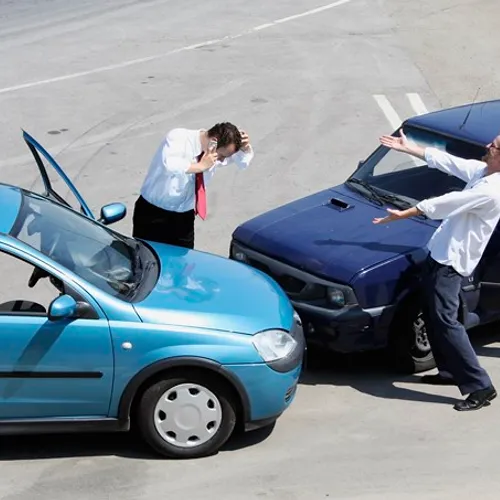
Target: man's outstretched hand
pixel 397 215
pixel 402 144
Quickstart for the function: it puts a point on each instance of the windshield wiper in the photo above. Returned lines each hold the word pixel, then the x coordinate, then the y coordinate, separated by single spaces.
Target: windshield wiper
pixel 395 200
pixel 378 196
pixel 375 195
pixel 144 270
pixel 135 253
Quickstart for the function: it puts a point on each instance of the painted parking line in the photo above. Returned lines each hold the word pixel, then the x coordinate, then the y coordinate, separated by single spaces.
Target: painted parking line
pixel 392 115
pixel 388 110
pixel 417 104
pixel 142 60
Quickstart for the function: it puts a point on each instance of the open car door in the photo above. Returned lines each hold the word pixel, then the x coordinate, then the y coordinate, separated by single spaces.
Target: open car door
pixel 47 165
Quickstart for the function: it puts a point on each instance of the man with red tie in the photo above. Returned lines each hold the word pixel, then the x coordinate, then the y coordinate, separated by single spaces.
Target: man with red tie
pixel 173 192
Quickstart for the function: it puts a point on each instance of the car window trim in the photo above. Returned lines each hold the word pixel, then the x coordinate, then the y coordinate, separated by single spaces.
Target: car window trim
pixel 68 288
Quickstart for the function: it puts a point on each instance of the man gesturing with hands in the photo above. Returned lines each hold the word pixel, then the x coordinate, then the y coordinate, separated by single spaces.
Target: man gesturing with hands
pixel 173 192
pixel 469 218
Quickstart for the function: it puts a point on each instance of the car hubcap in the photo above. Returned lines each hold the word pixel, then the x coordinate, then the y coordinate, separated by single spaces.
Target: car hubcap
pixel 422 346
pixel 188 415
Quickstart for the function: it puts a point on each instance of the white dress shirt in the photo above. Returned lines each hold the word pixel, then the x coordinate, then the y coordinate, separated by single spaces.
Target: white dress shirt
pixel 167 184
pixel 469 216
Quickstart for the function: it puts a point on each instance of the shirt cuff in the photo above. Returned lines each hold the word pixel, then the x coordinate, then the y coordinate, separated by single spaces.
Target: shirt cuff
pixel 430 155
pixel 243 158
pixel 425 207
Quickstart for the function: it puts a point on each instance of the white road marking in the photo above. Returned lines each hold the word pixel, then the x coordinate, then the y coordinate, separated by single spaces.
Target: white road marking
pixel 116 133
pixel 389 112
pixel 392 115
pixel 263 26
pixel 311 12
pixel 417 104
pixel 171 52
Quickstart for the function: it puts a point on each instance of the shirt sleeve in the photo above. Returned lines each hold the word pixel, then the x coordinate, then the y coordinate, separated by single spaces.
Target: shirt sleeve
pixel 453 165
pixel 243 158
pixel 456 202
pixel 175 152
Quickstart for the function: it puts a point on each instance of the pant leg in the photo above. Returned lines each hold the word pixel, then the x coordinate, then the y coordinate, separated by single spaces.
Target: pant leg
pixel 185 229
pixel 449 335
pixel 428 305
pixel 163 226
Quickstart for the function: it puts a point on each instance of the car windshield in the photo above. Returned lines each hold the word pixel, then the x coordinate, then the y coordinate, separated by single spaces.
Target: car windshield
pixel 107 260
pixel 403 180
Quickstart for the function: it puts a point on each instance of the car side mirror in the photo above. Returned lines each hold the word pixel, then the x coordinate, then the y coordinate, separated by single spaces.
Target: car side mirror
pixel 360 164
pixel 112 213
pixel 62 307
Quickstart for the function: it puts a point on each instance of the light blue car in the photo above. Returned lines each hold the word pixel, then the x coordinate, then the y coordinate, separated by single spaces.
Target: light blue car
pixel 100 331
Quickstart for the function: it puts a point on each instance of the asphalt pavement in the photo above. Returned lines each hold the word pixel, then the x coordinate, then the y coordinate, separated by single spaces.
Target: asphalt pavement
pixel 99 82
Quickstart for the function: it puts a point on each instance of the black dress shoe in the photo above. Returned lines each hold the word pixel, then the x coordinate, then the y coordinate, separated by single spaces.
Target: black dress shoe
pixel 477 399
pixel 437 380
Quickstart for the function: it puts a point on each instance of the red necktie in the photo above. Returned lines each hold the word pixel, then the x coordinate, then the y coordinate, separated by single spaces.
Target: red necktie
pixel 201 197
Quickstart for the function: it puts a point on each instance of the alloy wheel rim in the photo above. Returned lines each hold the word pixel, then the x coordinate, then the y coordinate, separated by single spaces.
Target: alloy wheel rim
pixel 422 345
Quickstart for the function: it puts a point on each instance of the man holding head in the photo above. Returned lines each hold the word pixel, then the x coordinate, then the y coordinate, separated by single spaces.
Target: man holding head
pixel 469 218
pixel 173 192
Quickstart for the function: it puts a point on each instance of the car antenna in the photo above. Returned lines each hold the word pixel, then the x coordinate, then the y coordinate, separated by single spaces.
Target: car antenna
pixel 470 109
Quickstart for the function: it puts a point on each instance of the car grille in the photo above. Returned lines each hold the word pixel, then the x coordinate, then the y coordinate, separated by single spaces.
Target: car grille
pixel 290 285
pixel 289 394
pixel 296 330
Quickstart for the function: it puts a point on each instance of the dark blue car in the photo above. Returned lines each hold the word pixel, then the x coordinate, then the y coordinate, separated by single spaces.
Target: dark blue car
pixel 356 284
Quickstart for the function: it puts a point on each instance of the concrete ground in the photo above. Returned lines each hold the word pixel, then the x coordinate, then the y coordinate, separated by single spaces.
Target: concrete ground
pixel 99 82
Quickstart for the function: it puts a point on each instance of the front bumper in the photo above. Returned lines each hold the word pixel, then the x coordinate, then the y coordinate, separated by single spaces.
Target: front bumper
pixel 269 393
pixel 347 329
pixel 351 329
pixel 270 387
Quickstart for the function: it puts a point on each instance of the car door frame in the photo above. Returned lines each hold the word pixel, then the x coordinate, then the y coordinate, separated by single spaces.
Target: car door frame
pixel 36 149
pixel 489 291
pixel 63 424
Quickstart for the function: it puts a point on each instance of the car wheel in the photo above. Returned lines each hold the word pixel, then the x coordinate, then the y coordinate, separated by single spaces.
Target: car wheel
pixel 186 417
pixel 409 347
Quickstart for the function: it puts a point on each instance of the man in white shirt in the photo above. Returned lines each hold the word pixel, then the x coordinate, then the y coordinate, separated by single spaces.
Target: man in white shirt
pixel 469 218
pixel 173 192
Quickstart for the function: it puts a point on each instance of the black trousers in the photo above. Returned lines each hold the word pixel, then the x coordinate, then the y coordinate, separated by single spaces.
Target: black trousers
pixel 453 352
pixel 155 224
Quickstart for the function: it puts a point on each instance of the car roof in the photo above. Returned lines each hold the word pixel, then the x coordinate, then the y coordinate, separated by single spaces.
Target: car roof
pixel 10 203
pixel 478 123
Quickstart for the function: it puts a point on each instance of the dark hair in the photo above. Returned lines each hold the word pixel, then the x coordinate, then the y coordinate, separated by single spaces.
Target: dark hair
pixel 226 133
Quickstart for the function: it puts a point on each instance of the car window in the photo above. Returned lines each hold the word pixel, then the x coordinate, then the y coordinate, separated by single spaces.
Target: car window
pixel 86 248
pixel 406 176
pixel 16 294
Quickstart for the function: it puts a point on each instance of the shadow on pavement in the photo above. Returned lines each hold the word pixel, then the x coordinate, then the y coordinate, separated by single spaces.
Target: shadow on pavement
pixel 366 372
pixel 483 338
pixel 369 373
pixel 36 447
pixel 124 445
pixel 243 440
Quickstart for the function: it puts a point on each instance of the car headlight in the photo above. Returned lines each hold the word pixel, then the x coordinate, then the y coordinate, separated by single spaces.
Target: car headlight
pixel 336 297
pixel 274 344
pixel 297 318
pixel 238 255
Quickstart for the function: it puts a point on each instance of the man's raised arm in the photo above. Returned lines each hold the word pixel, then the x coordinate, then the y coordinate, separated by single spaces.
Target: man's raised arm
pixel 435 158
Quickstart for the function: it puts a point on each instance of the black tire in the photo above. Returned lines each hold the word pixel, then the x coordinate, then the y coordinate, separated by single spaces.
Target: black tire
pixel 146 416
pixel 409 348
